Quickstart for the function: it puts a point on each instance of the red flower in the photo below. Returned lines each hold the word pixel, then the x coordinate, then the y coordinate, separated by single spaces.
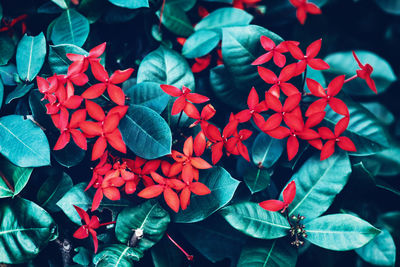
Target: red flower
pixel 91 224
pixel 121 170
pixel 280 83
pixel 9 25
pixel 207 113
pixel 65 98
pixel 80 62
pixel 327 97
pixel 107 187
pixel 218 140
pixel 183 98
pixel 99 171
pixel 255 107
pixel 365 73
pixel 68 129
pixel 235 146
pixel 201 63
pixel 303 7
pixel 334 138
pixel 288 195
pixel 119 76
pixel 48 87
pixel 309 58
pixel 142 168
pixel 195 188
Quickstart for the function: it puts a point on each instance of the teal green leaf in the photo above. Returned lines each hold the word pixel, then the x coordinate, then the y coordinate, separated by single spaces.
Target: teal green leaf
pixel 317 184
pixel 380 251
pixel 165 66
pixel 200 43
pixel 271 253
pixel 340 232
pixel 175 19
pixel 266 150
pixel 250 219
pixel 184 4
pixel 222 187
pixel 60 3
pixel 31 52
pixel 256 179
pixel 58 60
pixel 21 90
pixel 1 93
pixel 7 49
pixel 132 4
pixel 70 28
pixel 9 74
pixel 148 94
pixel 344 63
pixel 224 17
pixel 23 143
pixel 25 230
pixel 83 256
pixel 117 255
pixel 384 163
pixel 166 254
pixel 381 112
pixel 146 133
pixel 389 6
pixel 149 217
pixel 18 177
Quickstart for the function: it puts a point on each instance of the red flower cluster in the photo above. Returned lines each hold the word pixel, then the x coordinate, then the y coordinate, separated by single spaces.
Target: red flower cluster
pixel 303 7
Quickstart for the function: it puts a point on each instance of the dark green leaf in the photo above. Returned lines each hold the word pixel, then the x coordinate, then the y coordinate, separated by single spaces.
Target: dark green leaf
pixel 58 60
pixel 380 112
pixel 165 66
pixel 250 219
pixel 222 187
pixel 117 255
pixel 83 256
pixel 184 4
pixel 385 163
pixel 391 221
pixel 7 49
pixel 148 94
pixel 271 253
pixel 1 93
pixel 21 90
pixel 18 177
pixel 257 179
pixel 389 6
pixel 70 28
pixel 224 17
pixel 26 229
pixel 31 52
pixel 266 150
pixel 146 133
pixel 166 254
pixel 9 74
pixel 22 142
pixel 200 43
pixel 340 232
pixel 318 183
pixel 175 19
pixel 149 217
pixel 132 4
pixel 60 3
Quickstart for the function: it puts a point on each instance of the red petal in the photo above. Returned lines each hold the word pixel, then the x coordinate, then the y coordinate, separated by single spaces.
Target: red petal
pixel 301 15
pixel 200 144
pixel 289 193
pixel 73 102
pixel 308 134
pixel 81 233
pixel 120 110
pixel 213 133
pixel 292 147
pixel 116 141
pixel 243 151
pixel 313 49
pixel 315 88
pixel 187 173
pixel 98 196
pixel 316 107
pixel 294 122
pixel 243 116
pixel 116 94
pixel 295 51
pixel 79 139
pixel 98 71
pixel 263 59
pixel 191 111
pixel 272 122
pixel 82 214
pixel 273 102
pixel 267 75
pixel 111 123
pixel 200 163
pixel 95 241
pixel 97 50
pixel 120 76
pixel 196 98
pixel 291 102
pixel 267 43
pixel 94 91
pixel 99 148
pixel 112 193
pixel 199 189
pixel 279 132
pixel 371 84
pixel 315 119
pixel 95 111
pixel 252 99
pixel 178 105
pixel 91 128
pixel 346 144
pixel 328 149
pixel 79 79
pixel 287 72
pixel 336 85
pixel 185 198
pixel 313 9
pixel 279 59
pixel 317 64
pixel 77 117
pixel 151 166
pixel 188 147
pixel 338 106
pixel 216 151
pixel 326 133
pixel 289 89
pixel 272 205
pixel 151 191
pixel 158 178
pixel 171 198
pixel 341 126
pixel 171 90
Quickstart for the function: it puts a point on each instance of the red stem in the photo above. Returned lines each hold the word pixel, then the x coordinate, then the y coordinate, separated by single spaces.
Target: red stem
pixel 189 257
pixel 161 15
pixel 6 182
pixel 351 78
pixel 107 223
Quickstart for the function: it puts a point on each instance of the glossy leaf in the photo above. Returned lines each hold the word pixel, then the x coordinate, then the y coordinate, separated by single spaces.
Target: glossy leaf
pixel 70 28
pixel 222 187
pixel 384 163
pixel 18 177
pixel 165 66
pixel 184 4
pixel 200 43
pixel 23 143
pixel 149 217
pixel 31 52
pixel 271 253
pixel 117 255
pixel 60 3
pixel 148 94
pixel 344 63
pixel 257 179
pixel 317 184
pixel 7 49
pixel 9 74
pixel 175 19
pixel 266 150
pixel 25 230
pixel 224 17
pixel 21 90
pixel 250 219
pixel 58 60
pixel 383 114
pixel 146 133
pixel 340 232
pixel 132 4
pixel 389 6
pixel 83 256
pixel 1 93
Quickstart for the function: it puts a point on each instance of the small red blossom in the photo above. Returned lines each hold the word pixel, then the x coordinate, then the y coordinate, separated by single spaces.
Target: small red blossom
pixel 69 129
pixel 279 83
pixel 9 24
pixel 81 62
pixel 235 144
pixel 255 107
pixel 196 188
pixel 288 196
pixel 365 73
pixel 207 113
pixel 303 7
pixel 99 171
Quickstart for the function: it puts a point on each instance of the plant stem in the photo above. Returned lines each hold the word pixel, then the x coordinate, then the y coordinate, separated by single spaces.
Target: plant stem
pixel 161 15
pixel 351 78
pixel 3 177
pixel 188 256
pixel 287 218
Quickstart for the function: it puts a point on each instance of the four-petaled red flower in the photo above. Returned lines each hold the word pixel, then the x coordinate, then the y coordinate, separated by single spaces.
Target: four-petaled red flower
pixel 288 196
pixel 303 7
pixel 60 120
pixel 81 62
pixel 255 107
pixel 280 83
pixel 196 188
pixel 365 73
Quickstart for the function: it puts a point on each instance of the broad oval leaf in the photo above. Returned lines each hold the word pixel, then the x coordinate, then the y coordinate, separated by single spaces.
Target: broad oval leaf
pixel 21 90
pixel 9 74
pixel 58 60
pixel 7 49
pixel 117 255
pixel 83 256
pixel 165 66
pixel 70 28
pixel 257 179
pixel 132 4
pixel 146 133
pixel 317 184
pixel 200 43
pixel 148 94
pixel 26 229
pixel 23 143
pixel 344 63
pixel 149 217
pixel 266 150
pixel 271 253
pixel 389 6
pixel 250 219
pixel 222 187
pixel 224 17
pixel 18 177
pixel 175 19
pixel 382 113
pixel 385 163
pixel 31 52
pixel 340 232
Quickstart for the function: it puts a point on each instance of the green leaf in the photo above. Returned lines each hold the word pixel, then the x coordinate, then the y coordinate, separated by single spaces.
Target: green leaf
pixel 165 66
pixel 384 163
pixel 383 114
pixel 7 49
pixel 31 52
pixel 25 230
pixel 250 219
pixel 83 256
pixel 146 133
pixel 344 63
pixel 148 94
pixel 389 6
pixel 60 3
pixel 271 253
pixel 117 255
pixel 132 4
pixel 224 17
pixel 1 93
pixel 364 130
pixel 8 74
pixel 266 150
pixel 222 187
pixel 53 189
pixel 166 254
pixel 257 179
pixel 58 60
pixel 175 19
pixel 380 251
pixel 340 232
pixel 21 90
pixel 18 177
pixel 184 4
pixel 70 28
pixel 23 143
pixel 200 43
pixel 317 184
pixel 149 217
